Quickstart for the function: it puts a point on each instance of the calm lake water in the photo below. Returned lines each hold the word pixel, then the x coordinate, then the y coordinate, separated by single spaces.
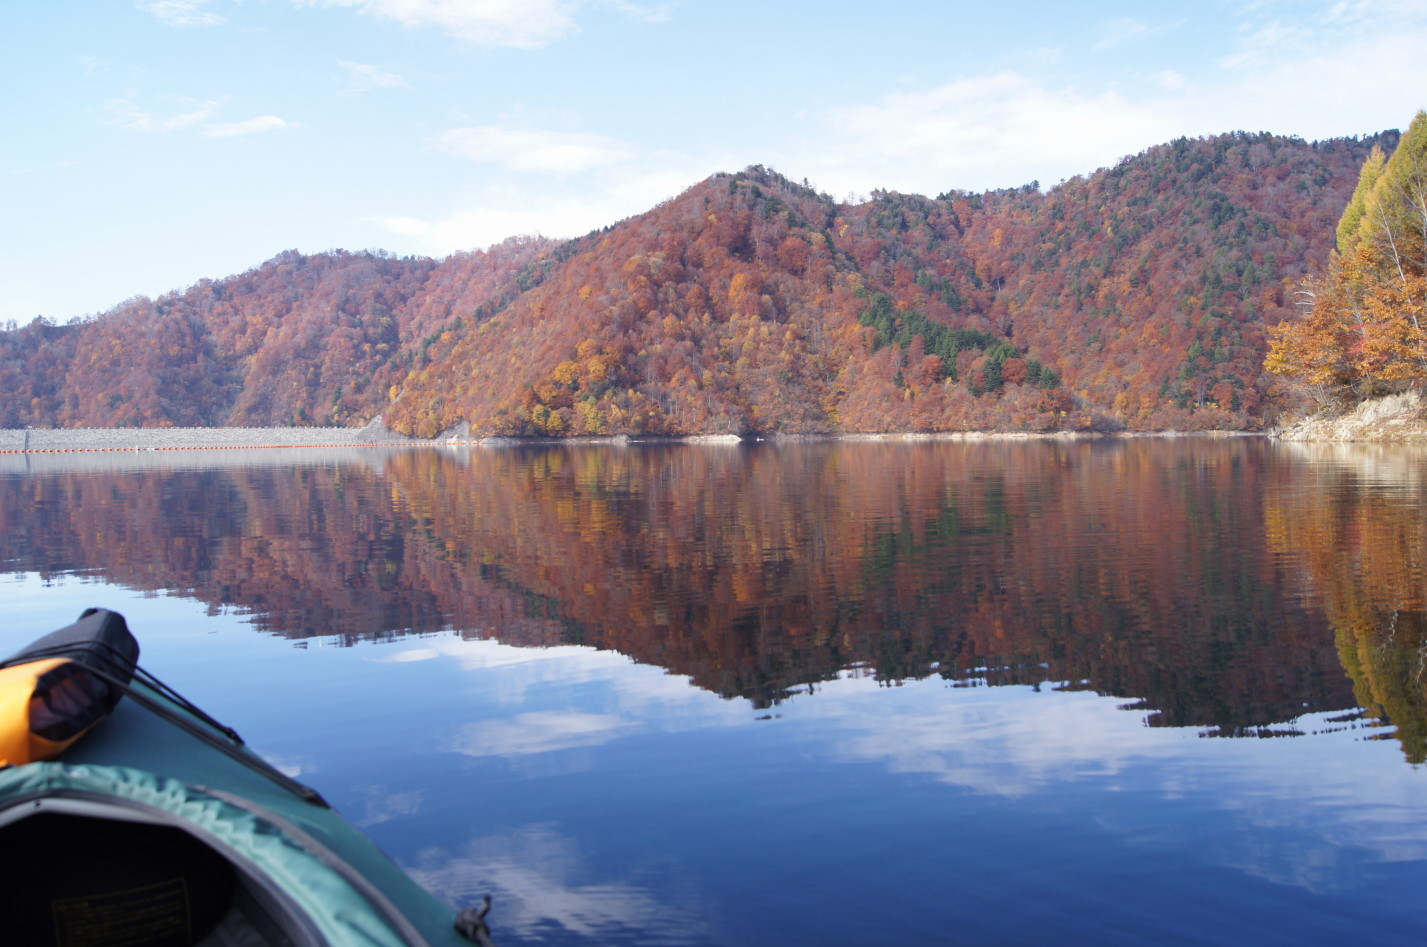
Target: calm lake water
pixel 1141 691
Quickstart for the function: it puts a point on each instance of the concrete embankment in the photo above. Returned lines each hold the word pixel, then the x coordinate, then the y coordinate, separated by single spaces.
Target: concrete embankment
pixel 51 440
pixel 129 461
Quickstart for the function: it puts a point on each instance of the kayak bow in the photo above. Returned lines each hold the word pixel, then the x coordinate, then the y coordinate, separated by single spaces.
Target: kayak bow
pixel 146 823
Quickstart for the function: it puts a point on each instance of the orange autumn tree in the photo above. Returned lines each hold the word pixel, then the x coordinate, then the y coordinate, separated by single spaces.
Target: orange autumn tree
pixel 1364 331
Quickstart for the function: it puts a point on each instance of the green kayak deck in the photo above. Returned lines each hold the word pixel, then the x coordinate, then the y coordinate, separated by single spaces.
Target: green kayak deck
pixel 157 829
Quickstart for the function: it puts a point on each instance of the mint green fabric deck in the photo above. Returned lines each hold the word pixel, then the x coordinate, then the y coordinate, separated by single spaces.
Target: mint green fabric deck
pixel 351 892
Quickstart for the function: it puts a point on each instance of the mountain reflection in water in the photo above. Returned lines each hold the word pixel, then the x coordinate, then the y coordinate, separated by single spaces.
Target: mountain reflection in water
pixel 1219 584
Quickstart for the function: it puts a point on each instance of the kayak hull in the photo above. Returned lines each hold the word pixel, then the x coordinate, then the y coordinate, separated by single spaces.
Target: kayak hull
pixel 152 797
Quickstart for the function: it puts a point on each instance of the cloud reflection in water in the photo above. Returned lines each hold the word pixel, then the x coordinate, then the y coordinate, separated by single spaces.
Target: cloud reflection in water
pixel 533 874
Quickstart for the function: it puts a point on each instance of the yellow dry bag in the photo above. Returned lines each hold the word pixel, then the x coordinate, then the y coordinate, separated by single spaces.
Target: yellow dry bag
pixel 57 689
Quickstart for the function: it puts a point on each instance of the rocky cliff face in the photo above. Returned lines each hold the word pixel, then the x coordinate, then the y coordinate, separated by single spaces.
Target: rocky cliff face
pixel 1401 417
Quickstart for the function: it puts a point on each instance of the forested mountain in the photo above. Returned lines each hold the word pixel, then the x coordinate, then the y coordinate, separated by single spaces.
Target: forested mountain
pixel 1135 297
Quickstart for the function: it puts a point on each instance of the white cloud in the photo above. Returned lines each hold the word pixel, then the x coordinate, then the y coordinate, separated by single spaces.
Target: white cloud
pixel 192 115
pixel 985 131
pixel 1262 46
pixel 1169 80
pixel 588 182
pixel 1014 743
pixel 364 78
pixel 633 692
pixel 528 24
pixel 533 149
pixel 521 23
pixel 483 654
pixel 1124 32
pixel 411 656
pixel 1293 77
pixel 1312 85
pixel 182 12
pixel 538 732
pixel 383 805
pixel 645 13
pixel 253 126
pixel 1000 129
pixel 1004 741
pixel 531 873
pixel 125 114
pixel 563 208
pixel 1267 41
pixel 406 227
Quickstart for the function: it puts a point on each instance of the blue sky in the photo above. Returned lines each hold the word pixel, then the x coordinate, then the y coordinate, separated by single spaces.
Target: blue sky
pixel 150 144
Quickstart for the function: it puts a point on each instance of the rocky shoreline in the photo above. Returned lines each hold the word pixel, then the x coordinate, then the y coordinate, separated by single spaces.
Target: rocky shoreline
pixel 1392 419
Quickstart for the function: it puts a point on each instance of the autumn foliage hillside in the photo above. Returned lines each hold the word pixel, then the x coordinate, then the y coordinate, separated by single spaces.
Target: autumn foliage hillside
pixel 1154 281
pixel 1136 297
pixel 301 339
